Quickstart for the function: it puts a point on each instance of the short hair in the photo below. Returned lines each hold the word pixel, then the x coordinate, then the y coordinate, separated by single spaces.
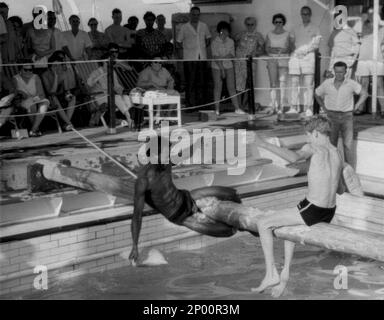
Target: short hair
pixel 318 123
pixel 3 5
pixel 160 16
pixel 16 19
pixel 74 16
pixel 340 64
pixel 223 25
pixel 250 19
pixel 195 8
pixel 131 18
pixel 307 8
pixel 55 56
pixel 92 19
pixel 116 11
pixel 279 16
pixel 149 14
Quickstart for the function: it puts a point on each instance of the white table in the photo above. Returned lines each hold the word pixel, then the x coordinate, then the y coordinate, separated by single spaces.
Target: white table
pixel 155 101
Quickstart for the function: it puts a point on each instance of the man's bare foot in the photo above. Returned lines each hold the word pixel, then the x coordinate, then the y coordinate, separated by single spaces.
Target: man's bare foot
pixel 268 281
pixel 278 290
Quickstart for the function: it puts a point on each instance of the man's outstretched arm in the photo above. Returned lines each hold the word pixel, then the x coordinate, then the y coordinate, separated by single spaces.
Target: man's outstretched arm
pixel 139 202
pixel 285 153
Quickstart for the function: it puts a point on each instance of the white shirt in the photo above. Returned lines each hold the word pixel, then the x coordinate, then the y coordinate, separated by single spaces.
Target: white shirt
pixel 304 35
pixel 345 43
pixel 339 100
pixel 193 40
pixel 77 45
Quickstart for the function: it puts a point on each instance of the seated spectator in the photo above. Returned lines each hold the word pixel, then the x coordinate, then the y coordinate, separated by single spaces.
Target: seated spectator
pixel 119 35
pixel 155 77
pixel 99 40
pixel 150 42
pixel 33 100
pixel 223 47
pixel 98 83
pixel 19 41
pixel 167 32
pixel 40 44
pixel 7 95
pixel 58 82
pixel 76 43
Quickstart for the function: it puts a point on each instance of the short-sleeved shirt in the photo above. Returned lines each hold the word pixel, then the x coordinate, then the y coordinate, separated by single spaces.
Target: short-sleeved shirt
pixel 168 34
pixel 339 100
pixel 77 44
pixel 366 52
pixel 345 43
pixel 304 34
pixel 222 48
pixel 194 46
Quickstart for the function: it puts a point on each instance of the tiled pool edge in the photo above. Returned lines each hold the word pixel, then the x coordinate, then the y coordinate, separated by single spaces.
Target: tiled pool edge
pixel 98 248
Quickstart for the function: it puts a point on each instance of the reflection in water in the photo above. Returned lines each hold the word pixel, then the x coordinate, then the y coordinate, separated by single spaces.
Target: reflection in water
pixel 227 270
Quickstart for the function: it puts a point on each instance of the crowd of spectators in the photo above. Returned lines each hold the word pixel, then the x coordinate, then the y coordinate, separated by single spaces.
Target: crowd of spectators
pixel 40 86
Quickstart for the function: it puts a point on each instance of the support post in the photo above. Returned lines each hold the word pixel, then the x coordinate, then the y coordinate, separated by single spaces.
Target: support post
pixel 317 80
pixel 111 96
pixel 375 49
pixel 251 92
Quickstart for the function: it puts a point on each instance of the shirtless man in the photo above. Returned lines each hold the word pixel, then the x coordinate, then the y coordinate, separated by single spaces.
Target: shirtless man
pixel 155 187
pixel 319 205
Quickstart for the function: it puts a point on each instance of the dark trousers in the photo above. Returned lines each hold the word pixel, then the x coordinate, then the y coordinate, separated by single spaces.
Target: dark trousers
pixel 196 78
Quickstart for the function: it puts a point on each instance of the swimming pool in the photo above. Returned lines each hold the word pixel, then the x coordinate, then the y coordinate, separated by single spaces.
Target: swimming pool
pixel 226 270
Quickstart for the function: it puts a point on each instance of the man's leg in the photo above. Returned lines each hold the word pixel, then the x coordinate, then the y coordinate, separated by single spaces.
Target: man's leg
pixel 289 248
pixel 295 93
pixel 347 135
pixel 308 92
pixel 335 128
pixel 286 217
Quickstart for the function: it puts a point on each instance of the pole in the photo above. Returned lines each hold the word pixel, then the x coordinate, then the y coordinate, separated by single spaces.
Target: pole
pixel 375 49
pixel 111 96
pixel 316 107
pixel 251 92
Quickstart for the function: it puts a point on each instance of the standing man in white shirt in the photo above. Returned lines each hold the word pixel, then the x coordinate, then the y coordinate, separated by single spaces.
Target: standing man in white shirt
pixel 344 46
pixel 76 42
pixel 302 62
pixel 335 96
pixel 195 37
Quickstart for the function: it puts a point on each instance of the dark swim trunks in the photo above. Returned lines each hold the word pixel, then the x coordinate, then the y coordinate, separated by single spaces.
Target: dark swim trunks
pixel 312 214
pixel 187 208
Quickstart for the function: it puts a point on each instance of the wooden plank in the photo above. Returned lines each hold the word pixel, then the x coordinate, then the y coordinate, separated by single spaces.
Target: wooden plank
pixel 337 238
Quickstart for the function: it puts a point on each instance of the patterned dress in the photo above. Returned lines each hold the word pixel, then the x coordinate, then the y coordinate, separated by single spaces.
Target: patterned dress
pixel 247 44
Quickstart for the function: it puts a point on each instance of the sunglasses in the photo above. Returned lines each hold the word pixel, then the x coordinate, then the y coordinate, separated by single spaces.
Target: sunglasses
pixel 278 22
pixel 250 24
pixel 92 24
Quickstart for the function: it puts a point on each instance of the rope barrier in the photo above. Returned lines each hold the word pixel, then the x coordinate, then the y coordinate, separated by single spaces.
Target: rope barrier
pixel 119 164
pixel 265 58
pixel 53 111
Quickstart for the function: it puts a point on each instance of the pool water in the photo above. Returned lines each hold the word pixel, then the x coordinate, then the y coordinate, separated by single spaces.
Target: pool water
pixel 227 270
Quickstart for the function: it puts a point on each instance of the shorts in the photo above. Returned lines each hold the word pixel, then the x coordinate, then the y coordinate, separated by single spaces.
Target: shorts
pixel 187 208
pixel 304 65
pixel 312 214
pixel 282 63
pixel 365 68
